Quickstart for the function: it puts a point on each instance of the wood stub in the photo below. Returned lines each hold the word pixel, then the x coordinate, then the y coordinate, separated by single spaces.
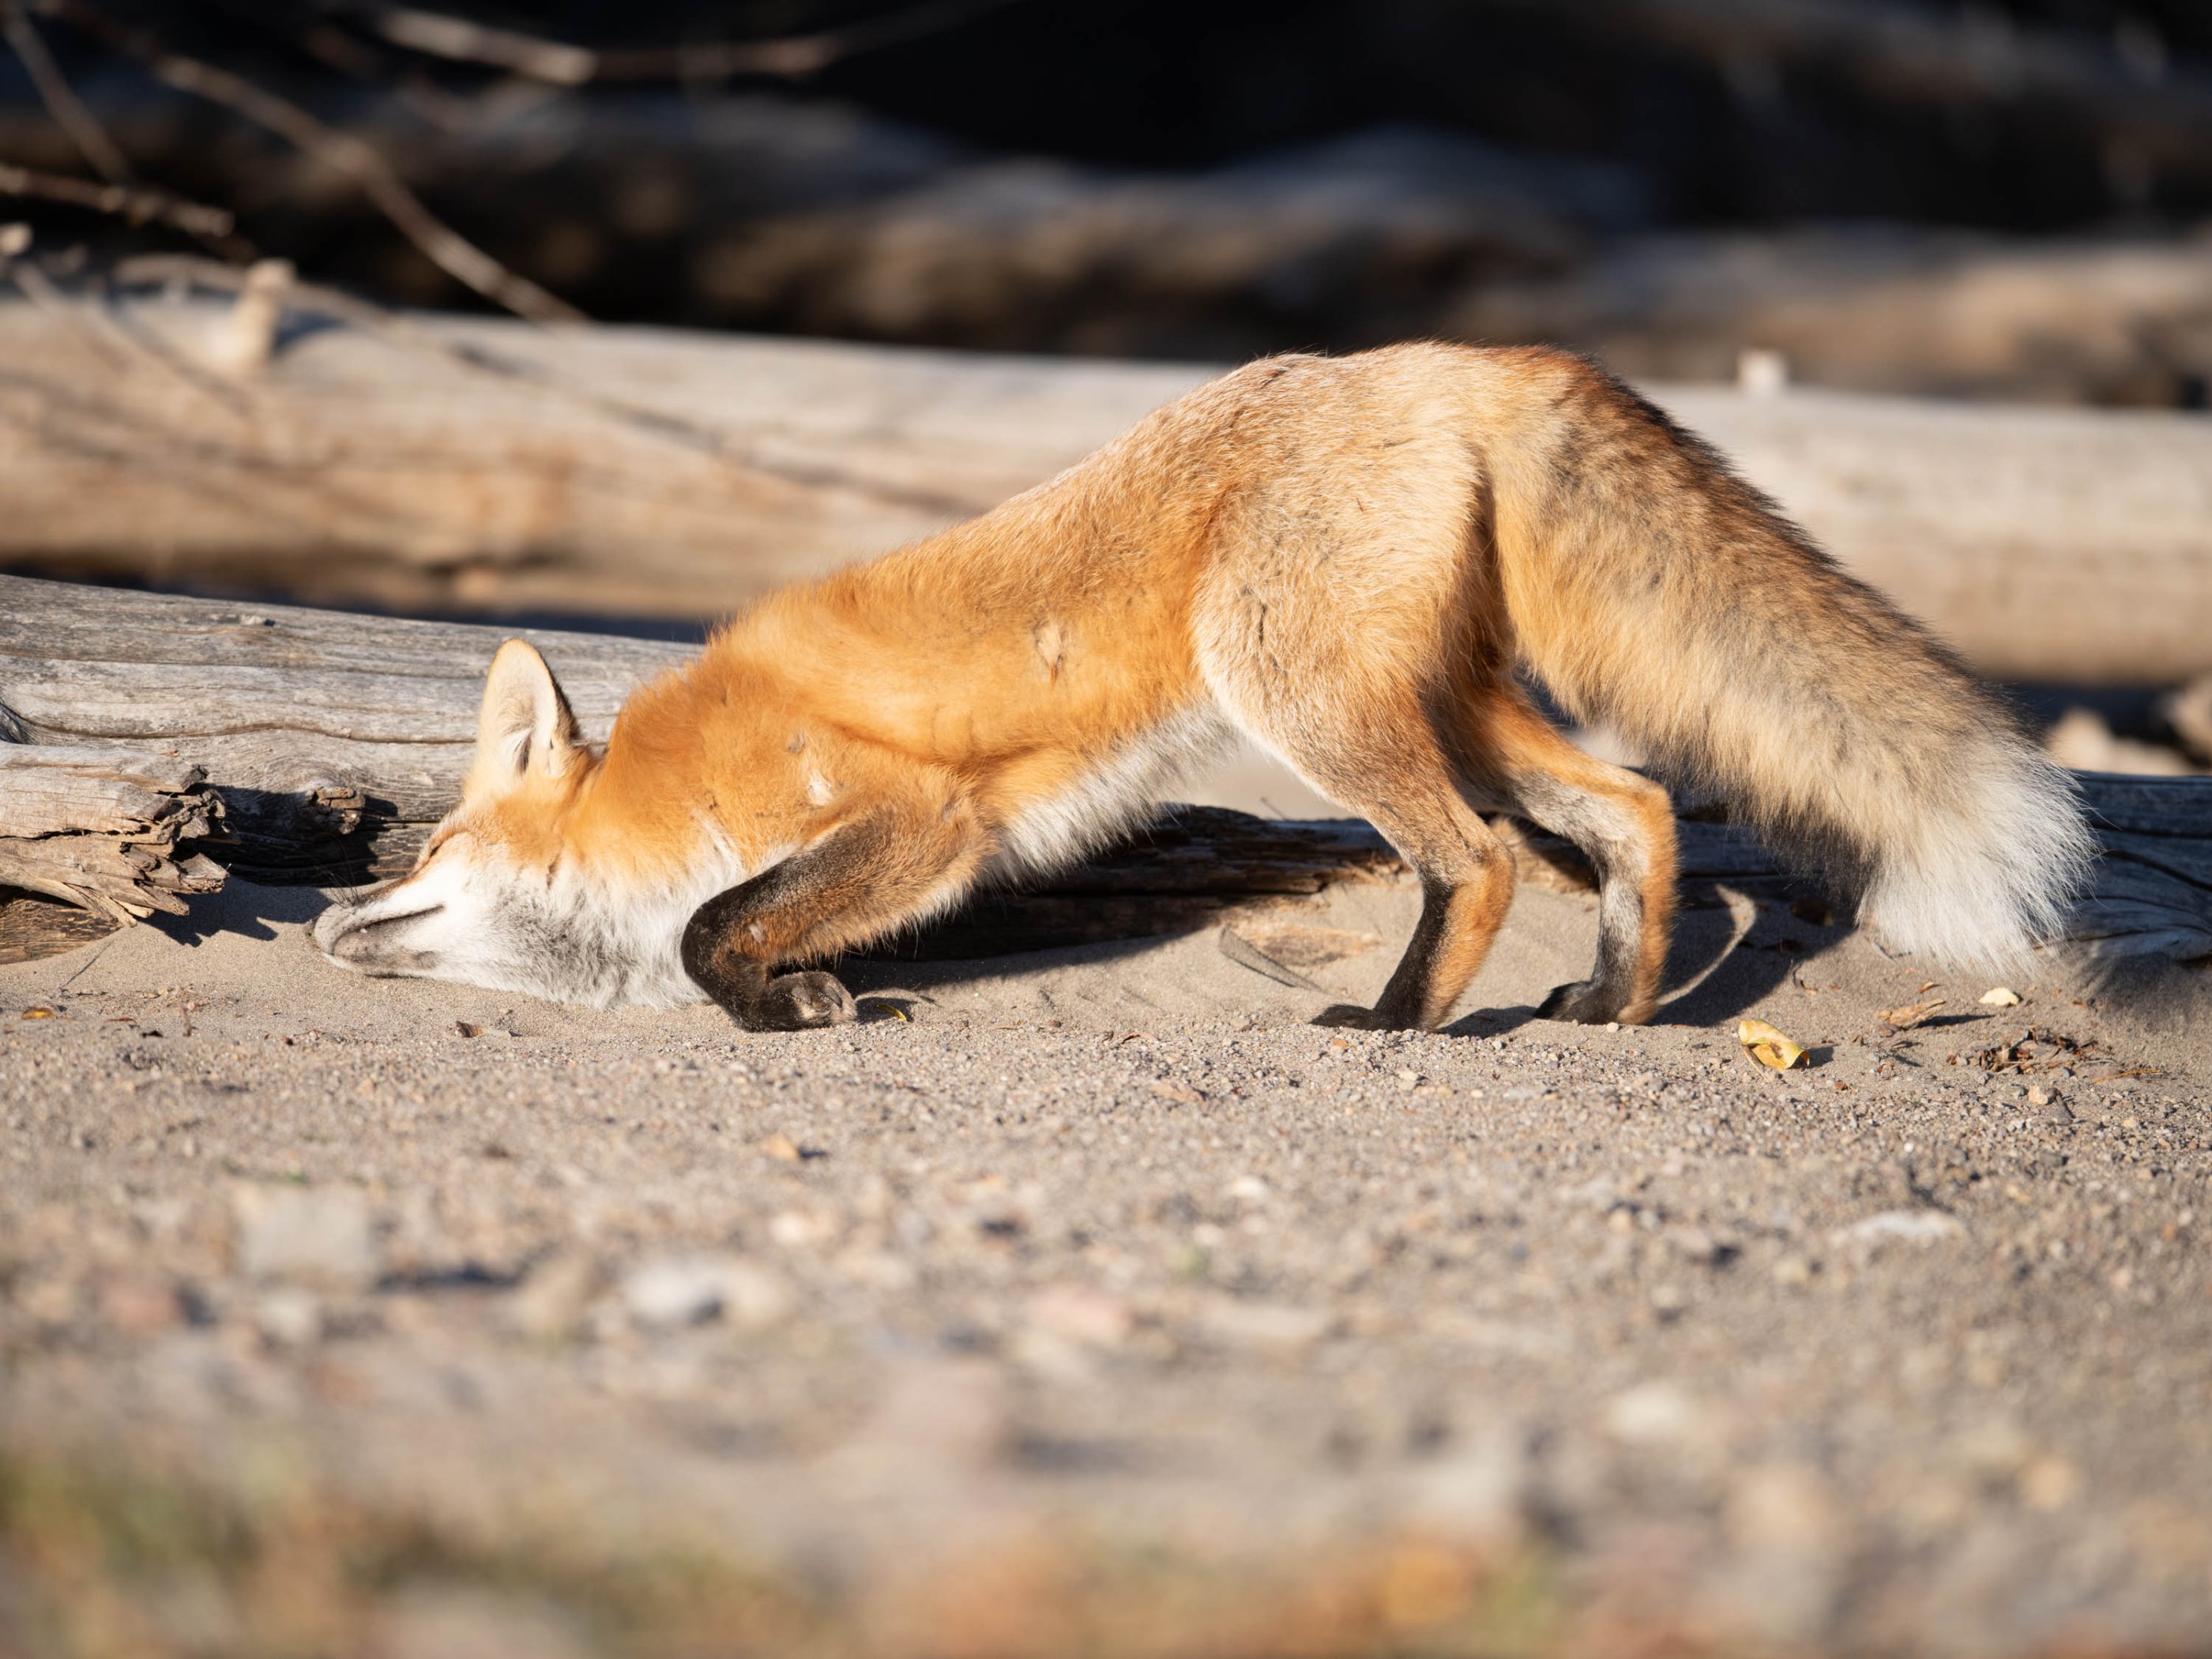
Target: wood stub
pixel 117 832
pixel 34 926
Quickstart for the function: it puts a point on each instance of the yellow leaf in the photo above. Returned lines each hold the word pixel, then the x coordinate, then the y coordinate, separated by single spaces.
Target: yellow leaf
pixel 1768 1046
pixel 2002 996
pixel 38 1013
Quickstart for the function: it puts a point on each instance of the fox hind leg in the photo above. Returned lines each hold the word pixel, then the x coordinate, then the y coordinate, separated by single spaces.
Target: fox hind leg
pixel 1622 823
pixel 1396 775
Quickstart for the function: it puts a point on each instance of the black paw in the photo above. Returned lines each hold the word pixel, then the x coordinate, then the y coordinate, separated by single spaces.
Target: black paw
pixel 800 1002
pixel 1349 1016
pixel 1586 1003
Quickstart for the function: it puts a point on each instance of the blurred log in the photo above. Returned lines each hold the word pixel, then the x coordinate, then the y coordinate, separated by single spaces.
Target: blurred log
pixel 449 463
pixel 335 741
pixel 2110 321
pixel 2124 90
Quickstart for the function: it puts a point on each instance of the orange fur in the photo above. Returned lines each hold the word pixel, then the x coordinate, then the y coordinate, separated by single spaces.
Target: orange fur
pixel 1345 560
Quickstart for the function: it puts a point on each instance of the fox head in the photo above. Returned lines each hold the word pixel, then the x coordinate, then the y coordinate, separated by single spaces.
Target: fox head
pixel 505 894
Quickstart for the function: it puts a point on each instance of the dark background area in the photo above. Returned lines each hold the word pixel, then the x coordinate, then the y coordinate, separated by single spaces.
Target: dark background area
pixel 1668 182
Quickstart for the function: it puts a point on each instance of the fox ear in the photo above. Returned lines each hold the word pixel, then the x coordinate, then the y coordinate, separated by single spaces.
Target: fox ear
pixel 524 726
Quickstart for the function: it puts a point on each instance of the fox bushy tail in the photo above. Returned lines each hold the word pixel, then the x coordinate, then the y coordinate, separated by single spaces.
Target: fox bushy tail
pixel 1653 590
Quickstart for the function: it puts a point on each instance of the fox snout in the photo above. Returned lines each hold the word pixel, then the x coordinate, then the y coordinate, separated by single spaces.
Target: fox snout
pixel 374 937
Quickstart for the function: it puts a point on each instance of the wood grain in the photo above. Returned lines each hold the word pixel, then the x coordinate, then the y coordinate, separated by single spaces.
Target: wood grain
pixel 450 464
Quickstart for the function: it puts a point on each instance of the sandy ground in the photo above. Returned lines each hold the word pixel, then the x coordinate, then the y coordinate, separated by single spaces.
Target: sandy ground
pixel 1096 1302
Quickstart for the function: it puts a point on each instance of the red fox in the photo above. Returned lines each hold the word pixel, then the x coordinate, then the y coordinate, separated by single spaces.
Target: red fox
pixel 1345 560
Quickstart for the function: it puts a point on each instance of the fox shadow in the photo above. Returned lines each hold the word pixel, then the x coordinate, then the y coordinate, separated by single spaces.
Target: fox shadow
pixel 1730 949
pixel 245 908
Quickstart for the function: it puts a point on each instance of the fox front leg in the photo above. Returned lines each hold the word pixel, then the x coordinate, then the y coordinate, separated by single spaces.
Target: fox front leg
pixel 856 883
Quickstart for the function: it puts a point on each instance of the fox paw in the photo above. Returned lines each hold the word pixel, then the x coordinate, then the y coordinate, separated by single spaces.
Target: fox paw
pixel 1589 1003
pixel 1349 1016
pixel 799 1002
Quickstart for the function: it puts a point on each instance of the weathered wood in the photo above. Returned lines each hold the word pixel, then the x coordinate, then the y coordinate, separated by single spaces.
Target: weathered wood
pixel 311 723
pixel 32 926
pixel 107 829
pixel 336 740
pixel 475 464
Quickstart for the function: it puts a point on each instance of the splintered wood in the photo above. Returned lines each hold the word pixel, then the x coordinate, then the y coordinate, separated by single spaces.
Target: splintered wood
pixel 104 828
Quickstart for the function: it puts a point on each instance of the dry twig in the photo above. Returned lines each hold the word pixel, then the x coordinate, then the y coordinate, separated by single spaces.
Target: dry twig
pixel 62 103
pixel 138 203
pixel 792 56
pixel 444 247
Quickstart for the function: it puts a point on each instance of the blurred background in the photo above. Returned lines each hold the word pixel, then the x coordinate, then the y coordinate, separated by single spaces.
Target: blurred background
pixel 2006 199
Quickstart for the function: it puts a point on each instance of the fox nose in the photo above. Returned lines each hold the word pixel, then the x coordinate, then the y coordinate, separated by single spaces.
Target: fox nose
pixel 376 942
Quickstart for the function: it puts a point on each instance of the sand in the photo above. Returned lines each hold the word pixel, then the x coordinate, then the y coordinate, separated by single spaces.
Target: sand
pixel 1095 1300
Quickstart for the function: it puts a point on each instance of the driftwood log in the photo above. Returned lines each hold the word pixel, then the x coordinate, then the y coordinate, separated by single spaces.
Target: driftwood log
pixel 455 464
pixel 105 827
pixel 335 741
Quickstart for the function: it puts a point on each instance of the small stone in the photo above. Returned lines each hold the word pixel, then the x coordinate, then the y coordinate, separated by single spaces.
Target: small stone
pixel 1669 1301
pixel 2048 1483
pixel 1169 1088
pixel 799 1229
pixel 1249 1190
pixel 1996 1451
pixel 140 1307
pixel 668 1294
pixel 1481 1489
pixel 289 1318
pixel 1900 1226
pixel 1794 1271
pixel 464 1622
pixel 1706 1249
pixel 550 1303
pixel 781 1147
pixel 2000 996
pixel 1783 1506
pixel 755 1297
pixel 1655 1413
pixel 1079 1314
pixel 675 1291
pixel 314 1235
pixel 1272 1327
